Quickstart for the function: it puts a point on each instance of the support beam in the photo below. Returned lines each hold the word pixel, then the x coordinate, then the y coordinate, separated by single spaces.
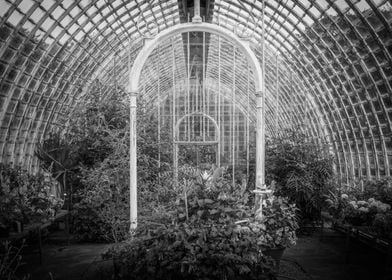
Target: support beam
pixel 247 123
pixel 159 126
pixel 277 115
pixel 174 132
pixel 197 18
pixel 260 140
pixel 219 148
pixel 260 125
pixel 233 121
pixel 132 161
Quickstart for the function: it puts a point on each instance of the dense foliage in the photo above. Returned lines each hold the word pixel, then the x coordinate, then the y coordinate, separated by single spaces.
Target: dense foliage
pixel 91 162
pixel 301 171
pixel 26 198
pixel 211 234
pixel 369 208
pixel 90 159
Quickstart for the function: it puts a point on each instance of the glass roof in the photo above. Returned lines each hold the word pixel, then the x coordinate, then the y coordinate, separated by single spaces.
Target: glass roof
pixel 328 66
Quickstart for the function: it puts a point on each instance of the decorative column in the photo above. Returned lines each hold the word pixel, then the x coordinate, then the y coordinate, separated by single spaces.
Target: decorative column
pixel 260 190
pixel 132 162
pixel 260 142
pixel 175 164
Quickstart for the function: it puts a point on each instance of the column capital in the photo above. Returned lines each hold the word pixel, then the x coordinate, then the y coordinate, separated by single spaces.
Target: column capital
pixel 133 93
pixel 259 93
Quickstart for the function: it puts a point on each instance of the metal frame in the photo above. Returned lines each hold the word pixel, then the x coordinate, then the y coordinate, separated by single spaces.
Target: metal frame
pixel 134 78
pixel 338 51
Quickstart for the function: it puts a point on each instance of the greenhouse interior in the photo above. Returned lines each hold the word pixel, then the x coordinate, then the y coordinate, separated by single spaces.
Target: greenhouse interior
pixel 196 139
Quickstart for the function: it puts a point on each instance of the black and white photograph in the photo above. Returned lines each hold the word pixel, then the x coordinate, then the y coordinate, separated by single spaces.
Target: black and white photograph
pixel 195 139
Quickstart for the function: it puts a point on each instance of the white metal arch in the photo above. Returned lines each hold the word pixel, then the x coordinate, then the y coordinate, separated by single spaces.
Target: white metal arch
pixel 216 126
pixel 213 142
pixel 151 44
pixel 133 89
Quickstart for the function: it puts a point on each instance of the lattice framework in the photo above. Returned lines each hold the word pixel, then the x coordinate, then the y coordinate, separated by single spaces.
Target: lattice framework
pixel 329 67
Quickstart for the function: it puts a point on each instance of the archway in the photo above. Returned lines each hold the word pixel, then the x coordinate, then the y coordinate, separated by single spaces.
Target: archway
pixel 196 130
pixel 135 73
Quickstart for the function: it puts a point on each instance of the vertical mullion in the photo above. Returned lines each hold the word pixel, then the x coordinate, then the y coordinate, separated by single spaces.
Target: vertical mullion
pixel 292 98
pixel 174 113
pixel 277 94
pixel 143 100
pixel 247 124
pixel 203 86
pixel 219 103
pixel 263 98
pixel 233 117
pixel 188 87
pixel 114 73
pixel 159 117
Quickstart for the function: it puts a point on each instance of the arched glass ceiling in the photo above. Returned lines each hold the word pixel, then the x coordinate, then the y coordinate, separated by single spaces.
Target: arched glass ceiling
pixel 220 54
pixel 328 66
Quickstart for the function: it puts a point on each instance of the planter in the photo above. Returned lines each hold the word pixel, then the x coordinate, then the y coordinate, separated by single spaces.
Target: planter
pixel 275 253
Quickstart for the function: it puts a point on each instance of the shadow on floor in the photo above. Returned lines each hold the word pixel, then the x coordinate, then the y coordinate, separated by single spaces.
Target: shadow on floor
pixel 328 256
pixel 313 258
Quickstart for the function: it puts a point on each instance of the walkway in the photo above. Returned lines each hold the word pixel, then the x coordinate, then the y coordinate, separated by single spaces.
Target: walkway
pixel 310 259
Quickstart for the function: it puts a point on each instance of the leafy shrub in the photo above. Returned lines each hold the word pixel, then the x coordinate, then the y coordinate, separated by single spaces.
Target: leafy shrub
pixel 302 172
pixel 102 210
pixel 378 189
pixel 25 197
pixel 365 212
pixel 280 219
pixel 212 235
pixel 90 159
pixel 382 225
pixel 189 251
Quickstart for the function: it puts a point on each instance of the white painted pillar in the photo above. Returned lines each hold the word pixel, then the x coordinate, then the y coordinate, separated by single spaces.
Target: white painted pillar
pixel 260 142
pixel 260 126
pixel 260 189
pixel 132 162
pixel 196 17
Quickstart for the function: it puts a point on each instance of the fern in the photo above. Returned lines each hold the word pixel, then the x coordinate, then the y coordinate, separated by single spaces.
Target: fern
pixel 302 173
